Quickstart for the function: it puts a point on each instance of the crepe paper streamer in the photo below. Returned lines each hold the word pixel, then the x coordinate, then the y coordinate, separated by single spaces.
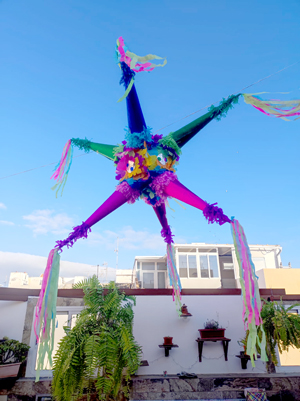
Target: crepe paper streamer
pixel 134 63
pixel 174 277
pixel 45 315
pixel 61 172
pixel 127 91
pixel 250 292
pixel 274 108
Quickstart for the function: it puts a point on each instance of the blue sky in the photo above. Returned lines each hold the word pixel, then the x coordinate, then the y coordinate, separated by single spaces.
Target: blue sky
pixel 59 80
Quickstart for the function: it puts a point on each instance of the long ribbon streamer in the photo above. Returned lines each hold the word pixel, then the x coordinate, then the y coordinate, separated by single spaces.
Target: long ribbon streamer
pixel 45 315
pixel 250 293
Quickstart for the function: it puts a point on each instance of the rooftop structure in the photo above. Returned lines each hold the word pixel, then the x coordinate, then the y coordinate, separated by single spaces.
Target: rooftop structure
pixel 202 265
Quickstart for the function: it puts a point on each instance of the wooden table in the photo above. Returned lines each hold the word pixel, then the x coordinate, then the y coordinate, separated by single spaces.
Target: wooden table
pixel 225 342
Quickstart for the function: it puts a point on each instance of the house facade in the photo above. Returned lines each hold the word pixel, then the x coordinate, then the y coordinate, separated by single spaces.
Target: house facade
pixel 202 265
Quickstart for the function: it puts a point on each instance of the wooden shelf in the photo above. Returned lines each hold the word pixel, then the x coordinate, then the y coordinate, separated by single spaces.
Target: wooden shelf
pixel 167 348
pixel 225 342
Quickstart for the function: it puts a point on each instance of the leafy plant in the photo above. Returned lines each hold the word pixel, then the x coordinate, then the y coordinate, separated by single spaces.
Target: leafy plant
pixel 282 328
pixel 99 353
pixel 12 351
pixel 211 324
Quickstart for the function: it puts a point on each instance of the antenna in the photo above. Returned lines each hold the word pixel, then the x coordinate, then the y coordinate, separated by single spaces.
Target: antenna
pixel 117 252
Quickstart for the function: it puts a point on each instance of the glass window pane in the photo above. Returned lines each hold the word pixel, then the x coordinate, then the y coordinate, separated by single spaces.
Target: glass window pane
pixel 138 275
pixel 138 265
pixel 192 266
pixel 213 264
pixel 148 266
pixel 183 265
pixel 161 279
pixel 148 280
pixel 204 266
pixel 162 266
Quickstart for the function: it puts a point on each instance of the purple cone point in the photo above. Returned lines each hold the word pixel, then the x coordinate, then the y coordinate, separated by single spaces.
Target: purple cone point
pixel 214 214
pixel 78 232
pixel 166 233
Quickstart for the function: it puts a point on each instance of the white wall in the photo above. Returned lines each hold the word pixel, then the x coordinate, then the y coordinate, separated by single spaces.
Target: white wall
pixel 200 282
pixel 12 318
pixel 261 278
pixel 156 317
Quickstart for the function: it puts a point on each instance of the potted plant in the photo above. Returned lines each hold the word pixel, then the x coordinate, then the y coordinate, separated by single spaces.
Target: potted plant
pixel 12 354
pixel 211 330
pixel 168 340
pixel 99 354
pixel 282 329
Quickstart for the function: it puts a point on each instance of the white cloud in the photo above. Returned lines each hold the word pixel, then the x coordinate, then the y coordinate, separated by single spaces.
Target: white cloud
pixel 7 223
pixel 2 206
pixel 46 221
pixel 128 239
pixel 35 265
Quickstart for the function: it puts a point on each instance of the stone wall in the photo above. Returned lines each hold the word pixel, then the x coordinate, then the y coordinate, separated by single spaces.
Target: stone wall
pixel 211 387
pixel 278 388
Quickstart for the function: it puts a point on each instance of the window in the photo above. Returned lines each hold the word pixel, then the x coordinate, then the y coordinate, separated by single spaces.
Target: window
pixel 188 266
pixel 192 262
pixel 148 280
pixel 209 267
pixel 213 265
pixel 148 266
pixel 183 266
pixel 65 316
pixel 152 274
pixel 204 266
pixel 162 266
pixel 161 280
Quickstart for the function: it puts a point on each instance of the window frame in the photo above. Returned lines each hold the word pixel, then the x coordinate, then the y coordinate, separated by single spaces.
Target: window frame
pixel 32 354
pixel 155 272
pixel 198 254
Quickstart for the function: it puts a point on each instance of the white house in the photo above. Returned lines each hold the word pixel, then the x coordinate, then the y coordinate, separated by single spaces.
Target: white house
pixel 202 265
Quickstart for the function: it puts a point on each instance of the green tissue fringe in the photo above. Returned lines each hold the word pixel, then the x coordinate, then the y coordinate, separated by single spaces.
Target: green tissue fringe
pixel 82 144
pixel 171 143
pixel 224 106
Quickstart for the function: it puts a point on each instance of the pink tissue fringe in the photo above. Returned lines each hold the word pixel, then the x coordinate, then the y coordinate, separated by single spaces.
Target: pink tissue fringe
pixel 130 194
pixel 159 184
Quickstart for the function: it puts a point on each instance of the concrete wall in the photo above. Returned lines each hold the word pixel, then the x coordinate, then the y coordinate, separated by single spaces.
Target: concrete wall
pixel 12 317
pixel 156 317
pixel 289 279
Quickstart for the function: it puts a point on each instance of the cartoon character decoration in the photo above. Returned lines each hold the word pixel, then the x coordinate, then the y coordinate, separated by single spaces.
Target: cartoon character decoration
pixel 146 168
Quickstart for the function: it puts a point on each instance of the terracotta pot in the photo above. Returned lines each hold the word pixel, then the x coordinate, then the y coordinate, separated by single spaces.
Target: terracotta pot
pixel 210 333
pixel 9 370
pixel 168 340
pixel 184 309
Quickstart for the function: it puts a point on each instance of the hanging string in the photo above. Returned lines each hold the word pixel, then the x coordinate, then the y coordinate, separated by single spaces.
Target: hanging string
pixel 174 122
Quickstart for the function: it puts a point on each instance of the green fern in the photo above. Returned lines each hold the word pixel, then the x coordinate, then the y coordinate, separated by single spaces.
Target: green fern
pixel 282 329
pixel 99 353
